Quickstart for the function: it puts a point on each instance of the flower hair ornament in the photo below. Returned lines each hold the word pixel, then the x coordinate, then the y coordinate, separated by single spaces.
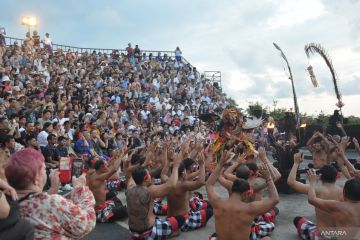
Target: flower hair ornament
pixel 250 192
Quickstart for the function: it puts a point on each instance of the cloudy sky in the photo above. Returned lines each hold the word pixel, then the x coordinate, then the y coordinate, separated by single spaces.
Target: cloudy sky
pixel 231 36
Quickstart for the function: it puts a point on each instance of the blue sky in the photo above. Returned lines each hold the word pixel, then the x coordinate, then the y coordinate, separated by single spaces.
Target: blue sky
pixel 233 36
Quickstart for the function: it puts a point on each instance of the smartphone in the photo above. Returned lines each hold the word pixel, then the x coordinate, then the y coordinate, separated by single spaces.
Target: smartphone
pixel 77 167
pixel 177 149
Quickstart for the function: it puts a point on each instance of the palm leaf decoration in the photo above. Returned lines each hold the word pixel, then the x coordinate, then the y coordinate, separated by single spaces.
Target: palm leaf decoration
pixel 311 49
pixel 296 106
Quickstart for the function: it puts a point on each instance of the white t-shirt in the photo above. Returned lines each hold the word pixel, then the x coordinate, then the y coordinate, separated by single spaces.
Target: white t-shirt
pixel 37 63
pixel 172 90
pixel 172 129
pixel 156 83
pixel 191 120
pixel 93 106
pixel 178 53
pixel 154 100
pixel 166 100
pixel 47 41
pixel 178 112
pixel 159 106
pixel 168 106
pixel 191 90
pixel 206 98
pixel 70 134
pixel 145 114
pixel 60 121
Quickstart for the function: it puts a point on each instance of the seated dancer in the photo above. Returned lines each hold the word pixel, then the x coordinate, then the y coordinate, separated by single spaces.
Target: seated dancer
pixel 156 152
pixel 108 207
pixel 342 161
pixel 196 200
pixel 140 195
pixel 345 214
pixel 250 173
pixel 192 168
pixel 115 183
pixel 327 190
pixel 179 196
pixel 319 146
pixel 234 217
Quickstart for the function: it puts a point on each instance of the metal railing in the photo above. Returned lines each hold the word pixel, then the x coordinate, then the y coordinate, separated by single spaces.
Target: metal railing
pixel 214 77
pixel 80 50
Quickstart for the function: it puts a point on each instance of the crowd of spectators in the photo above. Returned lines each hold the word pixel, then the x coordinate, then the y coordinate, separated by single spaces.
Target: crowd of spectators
pixel 118 98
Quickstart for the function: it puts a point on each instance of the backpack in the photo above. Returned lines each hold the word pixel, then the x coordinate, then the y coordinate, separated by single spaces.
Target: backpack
pixel 14 215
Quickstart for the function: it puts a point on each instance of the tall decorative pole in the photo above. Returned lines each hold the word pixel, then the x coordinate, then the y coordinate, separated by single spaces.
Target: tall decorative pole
pixel 285 155
pixel 313 48
pixel 296 106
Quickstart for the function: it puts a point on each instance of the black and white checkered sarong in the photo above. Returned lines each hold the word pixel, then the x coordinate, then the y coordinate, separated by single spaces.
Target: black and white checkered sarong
pixel 161 229
pixel 196 219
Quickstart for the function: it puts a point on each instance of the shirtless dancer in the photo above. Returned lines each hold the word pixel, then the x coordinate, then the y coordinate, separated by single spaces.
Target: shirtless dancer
pixel 263 225
pixel 250 173
pixel 106 210
pixel 346 214
pixel 140 196
pixel 178 199
pixel 192 169
pixel 327 190
pixel 320 150
pixel 196 200
pixel 234 216
pixel 243 171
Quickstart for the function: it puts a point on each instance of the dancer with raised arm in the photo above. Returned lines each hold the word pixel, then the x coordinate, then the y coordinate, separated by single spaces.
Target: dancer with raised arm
pixel 140 196
pixel 234 216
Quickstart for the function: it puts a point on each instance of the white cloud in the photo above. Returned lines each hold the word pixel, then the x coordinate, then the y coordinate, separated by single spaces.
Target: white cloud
pixel 238 81
pixel 293 12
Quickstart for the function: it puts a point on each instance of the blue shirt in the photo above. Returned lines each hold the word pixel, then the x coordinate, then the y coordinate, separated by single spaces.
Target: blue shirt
pixel 124 83
pixel 116 98
pixel 80 148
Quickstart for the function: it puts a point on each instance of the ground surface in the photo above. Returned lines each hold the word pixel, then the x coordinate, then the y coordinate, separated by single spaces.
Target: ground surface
pixel 290 206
